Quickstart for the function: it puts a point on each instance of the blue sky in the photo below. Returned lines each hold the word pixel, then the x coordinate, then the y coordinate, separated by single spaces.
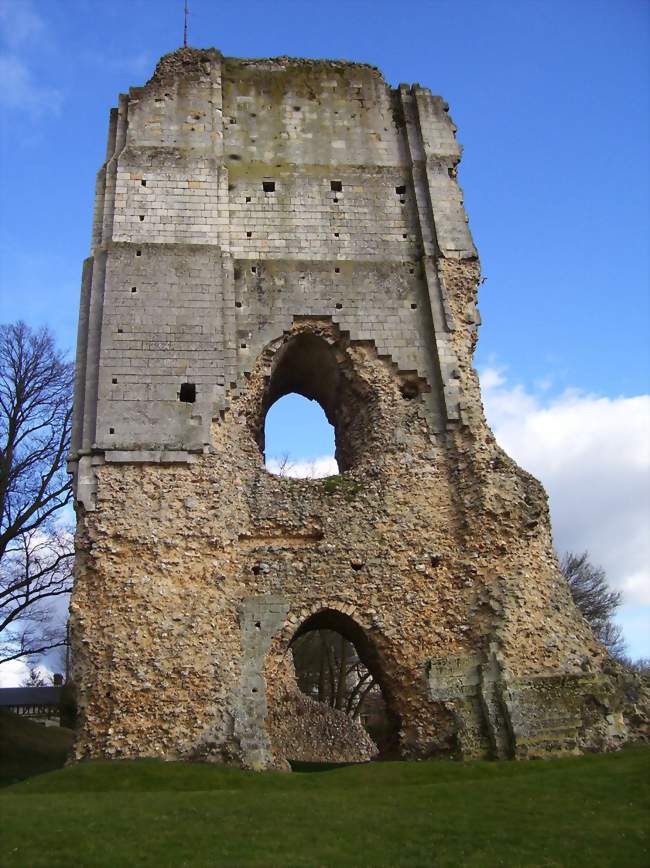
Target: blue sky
pixel 551 101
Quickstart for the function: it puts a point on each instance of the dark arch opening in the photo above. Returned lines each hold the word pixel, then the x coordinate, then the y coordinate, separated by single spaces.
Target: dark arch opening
pixel 360 675
pixel 306 364
pixel 311 366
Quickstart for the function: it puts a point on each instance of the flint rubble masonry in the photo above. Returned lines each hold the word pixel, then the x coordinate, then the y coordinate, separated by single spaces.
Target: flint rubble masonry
pixel 277 225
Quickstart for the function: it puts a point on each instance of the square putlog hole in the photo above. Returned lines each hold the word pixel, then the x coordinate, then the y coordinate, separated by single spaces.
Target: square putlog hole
pixel 187 393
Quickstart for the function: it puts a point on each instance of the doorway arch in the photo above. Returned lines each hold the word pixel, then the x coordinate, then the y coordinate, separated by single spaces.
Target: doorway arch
pixel 386 733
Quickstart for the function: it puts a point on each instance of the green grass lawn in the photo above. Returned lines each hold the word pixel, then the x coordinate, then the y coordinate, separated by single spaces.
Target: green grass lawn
pixel 590 811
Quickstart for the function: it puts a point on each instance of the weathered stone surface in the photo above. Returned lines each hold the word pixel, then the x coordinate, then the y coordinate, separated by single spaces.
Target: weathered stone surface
pixel 309 731
pixel 285 225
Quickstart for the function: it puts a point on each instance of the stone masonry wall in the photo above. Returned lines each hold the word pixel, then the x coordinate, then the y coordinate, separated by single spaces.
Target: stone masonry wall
pixel 287 225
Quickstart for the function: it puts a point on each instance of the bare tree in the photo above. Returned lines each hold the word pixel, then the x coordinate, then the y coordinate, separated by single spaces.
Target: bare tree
pixel 328 669
pixel 35 549
pixel 284 465
pixel 34 678
pixel 595 599
pixel 641 665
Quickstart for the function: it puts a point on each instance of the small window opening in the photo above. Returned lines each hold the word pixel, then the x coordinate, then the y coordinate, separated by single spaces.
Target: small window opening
pixel 336 234
pixel 414 307
pixel 243 346
pixel 120 331
pixel 134 289
pixel 111 430
pixel 238 304
pixel 336 186
pixel 268 186
pixel 187 393
pixel 114 381
pixel 138 253
pixel 296 108
pixel 339 306
pixel 143 183
pixel 248 198
pixel 401 190
pixel 254 269
pixel 404 235
pixel 337 270
pixel 249 235
pixel 141 218
pixel 411 271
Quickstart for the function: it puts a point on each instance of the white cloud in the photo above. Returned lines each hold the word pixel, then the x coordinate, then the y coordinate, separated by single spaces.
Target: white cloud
pixel 304 468
pixel 20 89
pixel 23 32
pixel 593 456
pixel 20 23
pixel 13 674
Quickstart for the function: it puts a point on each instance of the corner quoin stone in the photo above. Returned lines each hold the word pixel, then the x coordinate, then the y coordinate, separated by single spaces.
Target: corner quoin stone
pixel 276 225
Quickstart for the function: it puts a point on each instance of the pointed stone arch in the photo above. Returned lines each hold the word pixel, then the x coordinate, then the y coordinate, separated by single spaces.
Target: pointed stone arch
pixel 317 360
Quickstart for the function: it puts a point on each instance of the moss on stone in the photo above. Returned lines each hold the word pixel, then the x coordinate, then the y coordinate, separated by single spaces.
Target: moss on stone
pixel 349 488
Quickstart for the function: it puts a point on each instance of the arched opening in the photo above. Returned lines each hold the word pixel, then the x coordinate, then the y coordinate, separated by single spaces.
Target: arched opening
pixel 337 664
pixel 299 440
pixel 320 370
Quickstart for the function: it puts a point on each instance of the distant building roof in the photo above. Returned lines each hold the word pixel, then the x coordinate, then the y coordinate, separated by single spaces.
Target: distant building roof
pixel 29 696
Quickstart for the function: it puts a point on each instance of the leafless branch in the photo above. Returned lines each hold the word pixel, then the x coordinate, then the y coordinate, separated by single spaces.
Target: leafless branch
pixel 35 551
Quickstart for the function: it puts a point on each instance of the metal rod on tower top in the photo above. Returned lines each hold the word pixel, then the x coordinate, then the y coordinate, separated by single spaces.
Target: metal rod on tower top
pixel 185 26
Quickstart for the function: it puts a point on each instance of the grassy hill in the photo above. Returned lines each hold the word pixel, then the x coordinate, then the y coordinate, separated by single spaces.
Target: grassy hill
pixel 27 748
pixel 584 811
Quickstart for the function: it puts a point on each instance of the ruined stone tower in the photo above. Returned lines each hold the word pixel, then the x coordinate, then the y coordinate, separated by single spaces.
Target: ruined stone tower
pixel 272 226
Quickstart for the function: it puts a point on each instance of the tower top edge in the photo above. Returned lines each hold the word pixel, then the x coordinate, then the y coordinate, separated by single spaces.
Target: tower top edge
pixel 187 62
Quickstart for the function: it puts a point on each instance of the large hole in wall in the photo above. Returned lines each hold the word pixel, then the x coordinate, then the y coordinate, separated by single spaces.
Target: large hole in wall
pixel 336 664
pixel 311 367
pixel 299 441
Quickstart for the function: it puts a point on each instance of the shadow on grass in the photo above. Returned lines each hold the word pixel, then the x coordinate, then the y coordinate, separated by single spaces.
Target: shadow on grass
pixel 299 766
pixel 28 748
